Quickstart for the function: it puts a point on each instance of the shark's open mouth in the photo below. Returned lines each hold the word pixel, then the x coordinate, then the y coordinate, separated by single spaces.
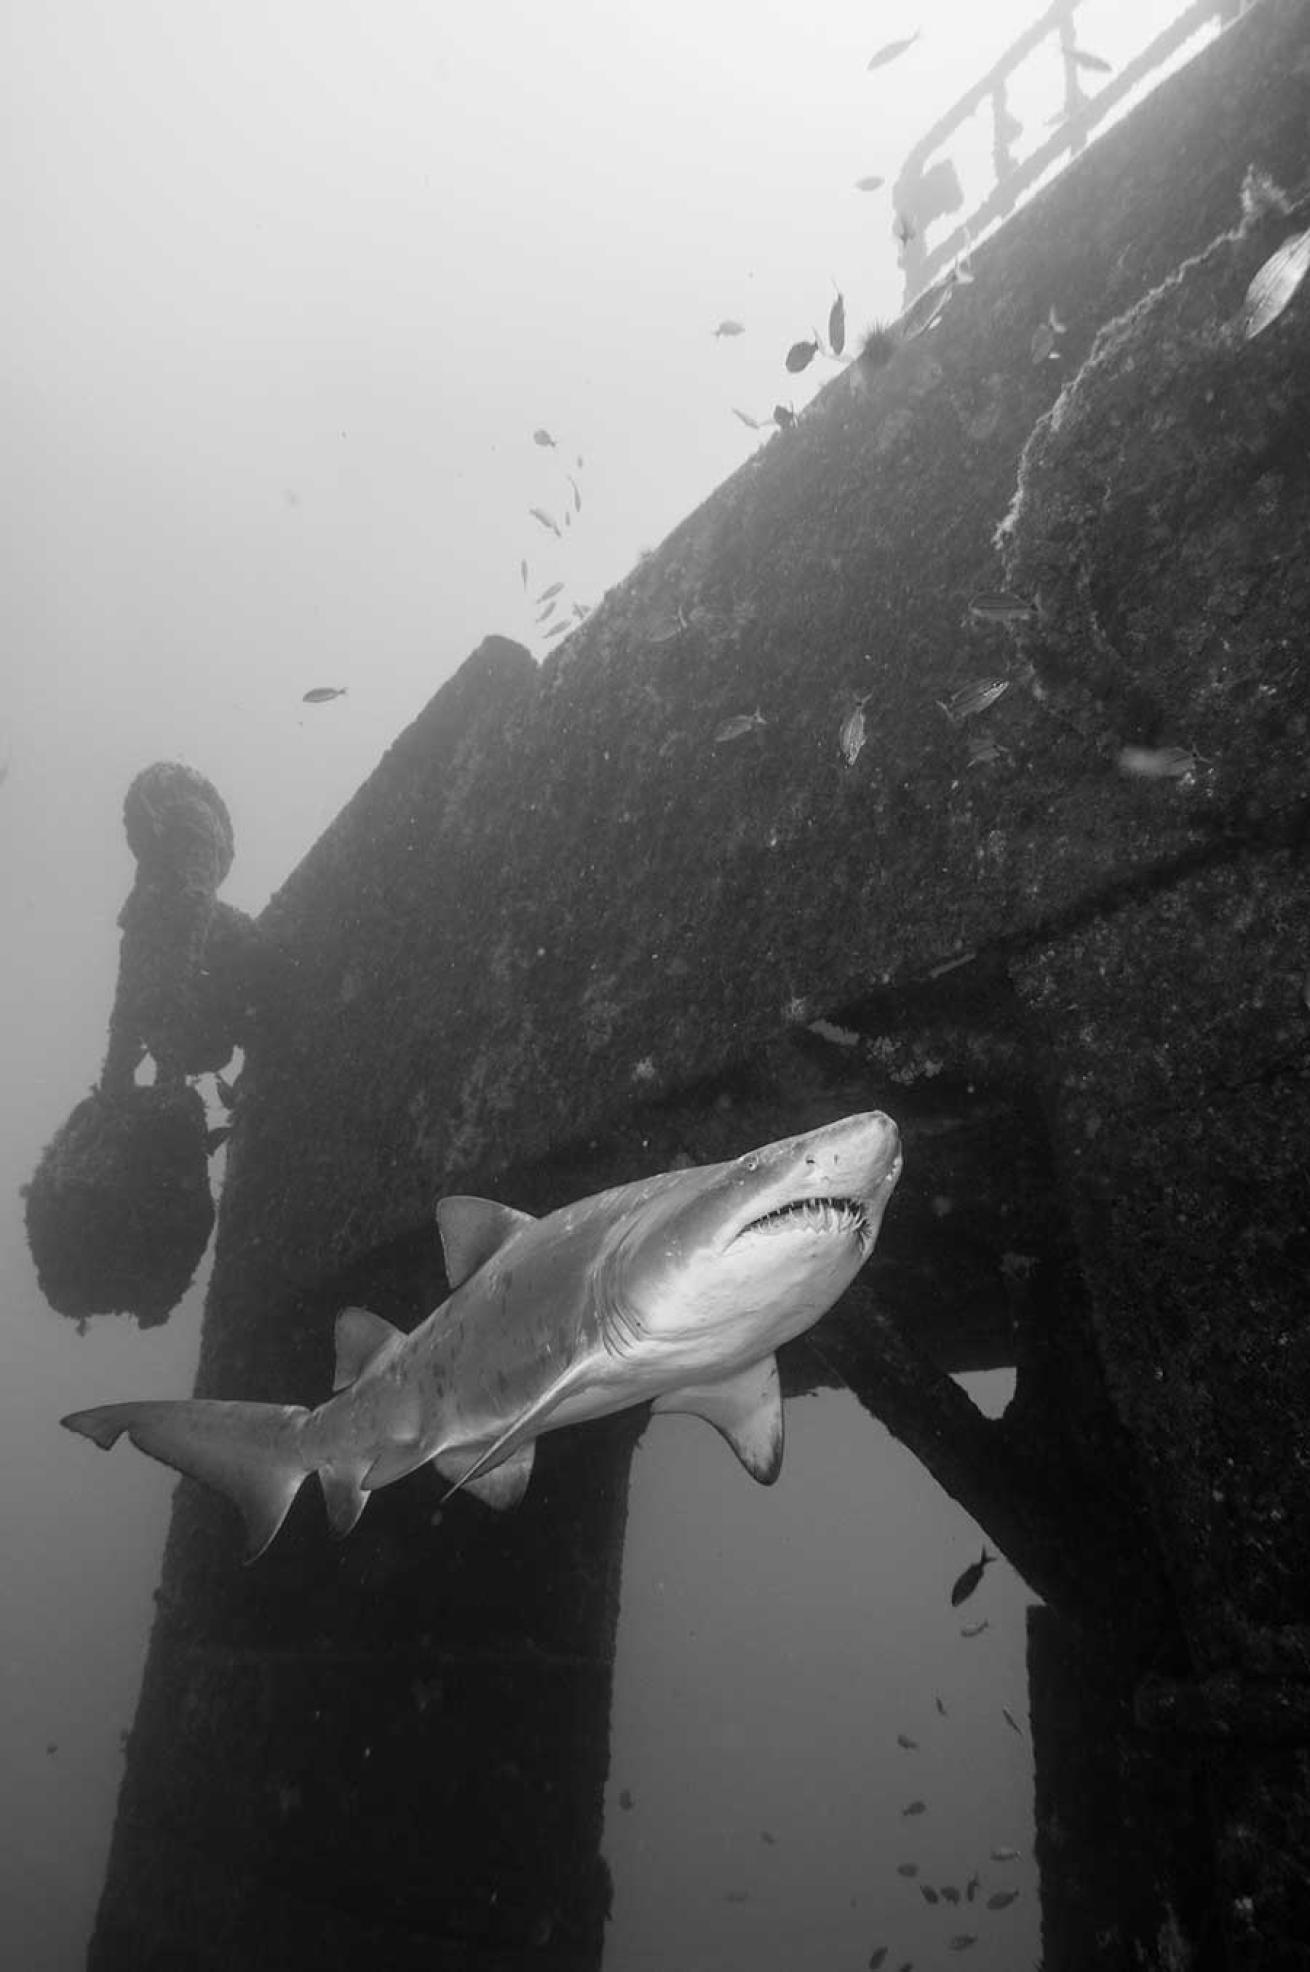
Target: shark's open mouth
pixel 815 1215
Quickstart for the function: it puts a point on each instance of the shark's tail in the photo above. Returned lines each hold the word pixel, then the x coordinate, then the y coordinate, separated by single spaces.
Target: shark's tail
pixel 251 1452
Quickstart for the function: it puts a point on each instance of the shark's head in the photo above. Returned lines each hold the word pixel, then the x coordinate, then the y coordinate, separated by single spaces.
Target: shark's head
pixel 725 1261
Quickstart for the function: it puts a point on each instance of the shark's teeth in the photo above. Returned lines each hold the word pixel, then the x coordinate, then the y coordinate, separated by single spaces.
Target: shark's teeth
pixel 816 1215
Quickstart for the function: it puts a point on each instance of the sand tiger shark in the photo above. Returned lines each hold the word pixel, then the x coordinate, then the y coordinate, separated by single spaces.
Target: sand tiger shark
pixel 673 1291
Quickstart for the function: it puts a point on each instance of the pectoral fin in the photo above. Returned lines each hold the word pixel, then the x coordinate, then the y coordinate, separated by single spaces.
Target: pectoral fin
pixel 746 1409
pixel 506 1484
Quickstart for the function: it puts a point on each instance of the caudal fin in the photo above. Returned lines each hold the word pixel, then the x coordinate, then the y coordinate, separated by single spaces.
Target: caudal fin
pixel 251 1452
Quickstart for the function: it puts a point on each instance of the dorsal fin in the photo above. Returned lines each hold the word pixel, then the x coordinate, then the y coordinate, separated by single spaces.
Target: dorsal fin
pixel 746 1409
pixel 360 1335
pixel 472 1229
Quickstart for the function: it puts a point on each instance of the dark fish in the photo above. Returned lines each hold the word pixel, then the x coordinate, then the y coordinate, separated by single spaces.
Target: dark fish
pixel 215 1137
pixel 581 610
pixel 1274 285
pixel 928 1894
pixel 907 1869
pixel 52 1746
pixel 972 1887
pixel 975 1629
pixel 950 1895
pixel 765 1836
pixel 322 693
pixel 890 50
pixel 553 590
pixel 577 497
pixel 940 1707
pixel 1005 1855
pixel 738 727
pixel 1012 1722
pixel 972 699
pixel 851 738
pixel 915 1808
pixel 736 1896
pixel 872 183
pixel 730 328
pixel 542 437
pixel 1083 60
pixel 910 1745
pixel 837 326
pixel 783 416
pixel 746 418
pixel 1158 763
pixel 523 573
pixel 227 1094
pixel 877 1957
pixel 969 1580
pixel 544 615
pixel 539 514
pixel 1002 1899
pixel 963 1940
pixel 801 355
pixel 997 607
pixel 557 630
pixel 625 1797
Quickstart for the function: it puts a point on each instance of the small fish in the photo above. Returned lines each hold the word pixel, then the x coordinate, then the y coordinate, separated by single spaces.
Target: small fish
pixel 984 751
pixel 557 630
pixel 540 514
pixel 837 325
pixel 544 615
pixel 910 1745
pixel 581 611
pixel 1046 337
pixel 878 1957
pixel 908 1966
pixel 577 496
pixel 975 1629
pixel 625 1797
pixel 940 1707
pixel 926 312
pixel 226 1092
pixel 892 50
pixel 52 1746
pixel 853 733
pixel 1002 1899
pixel 1011 1721
pixel 997 607
pixel 542 437
pixel 872 183
pixel 738 727
pixel 950 1895
pixel 915 1808
pixel 801 355
pixel 1005 1855
pixel 1274 285
pixel 972 699
pixel 747 419
pixel 736 1896
pixel 904 230
pixel 1158 763
pixel 907 1869
pixel 216 1137
pixel 523 573
pixel 322 693
pixel 963 1940
pixel 553 590
pixel 730 328
pixel 1082 59
pixel 972 1887
pixel 783 416
pixel 969 1580
pixel 765 1836
pixel 928 1894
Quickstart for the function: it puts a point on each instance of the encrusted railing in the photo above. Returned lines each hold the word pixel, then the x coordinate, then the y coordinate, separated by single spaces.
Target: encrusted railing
pixel 928 188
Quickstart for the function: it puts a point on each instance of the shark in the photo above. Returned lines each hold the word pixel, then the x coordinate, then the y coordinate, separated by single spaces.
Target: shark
pixel 676 1291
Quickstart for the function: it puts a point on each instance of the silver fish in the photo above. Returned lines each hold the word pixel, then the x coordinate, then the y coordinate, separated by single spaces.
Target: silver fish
pixel 557 629
pixel 878 1957
pixel 801 355
pixel 1011 1721
pixel 746 419
pixel 972 699
pixel 851 738
pixel 1274 285
pixel 872 183
pixel 892 50
pixel 984 751
pixel 544 615
pixel 1005 1855
pixel 976 1629
pixel 730 328
pixel 707 1271
pixel 997 607
pixel 542 437
pixel 738 727
pixel 1158 763
pixel 553 590
pixel 320 694
pixel 1001 1899
pixel 540 514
